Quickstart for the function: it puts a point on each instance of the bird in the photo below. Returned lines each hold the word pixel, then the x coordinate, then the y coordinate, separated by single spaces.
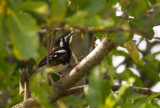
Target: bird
pixel 59 57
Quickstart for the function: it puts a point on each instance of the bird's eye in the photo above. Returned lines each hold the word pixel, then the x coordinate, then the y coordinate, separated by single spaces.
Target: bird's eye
pixel 61 42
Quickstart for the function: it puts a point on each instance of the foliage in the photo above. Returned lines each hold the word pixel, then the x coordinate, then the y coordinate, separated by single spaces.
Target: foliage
pixel 21 42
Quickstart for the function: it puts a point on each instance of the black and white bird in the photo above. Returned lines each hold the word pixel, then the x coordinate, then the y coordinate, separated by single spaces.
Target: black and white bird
pixel 59 57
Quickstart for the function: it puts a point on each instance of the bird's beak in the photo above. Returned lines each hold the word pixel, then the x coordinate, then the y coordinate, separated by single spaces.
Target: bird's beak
pixel 71 33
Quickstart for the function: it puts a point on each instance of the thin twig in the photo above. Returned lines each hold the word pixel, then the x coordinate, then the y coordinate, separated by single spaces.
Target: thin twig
pixel 27 93
pixel 108 14
pixel 92 42
pixel 71 91
pixel 48 49
pixel 23 82
pixel 74 57
pixel 52 40
pixel 92 30
pixel 145 91
pixel 125 12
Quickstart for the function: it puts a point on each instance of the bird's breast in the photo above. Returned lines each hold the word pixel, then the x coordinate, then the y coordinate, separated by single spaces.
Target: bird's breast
pixel 60 67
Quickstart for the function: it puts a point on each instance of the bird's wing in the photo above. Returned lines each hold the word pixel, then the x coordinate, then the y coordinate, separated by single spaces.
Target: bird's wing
pixel 55 56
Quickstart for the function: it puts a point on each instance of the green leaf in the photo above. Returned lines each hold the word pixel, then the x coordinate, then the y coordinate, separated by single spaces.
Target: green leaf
pixel 15 5
pixel 74 101
pixel 120 53
pixel 98 23
pixel 141 10
pixel 153 62
pixel 42 51
pixel 81 18
pixel 149 69
pixel 133 96
pixel 152 1
pixel 3 36
pixel 145 25
pixel 98 89
pixel 153 96
pixel 138 6
pixel 119 37
pixel 4 67
pixel 133 51
pixel 78 19
pixel 95 6
pixel 58 10
pixel 113 2
pixel 123 88
pixel 154 16
pixel 15 100
pixel 110 68
pixel 128 73
pixel 41 89
pixel 145 101
pixel 37 7
pixel 100 35
pixel 110 102
pixel 80 4
pixel 23 31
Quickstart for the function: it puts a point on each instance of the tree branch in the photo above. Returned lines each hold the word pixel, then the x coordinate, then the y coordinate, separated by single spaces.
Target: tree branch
pixel 71 91
pixel 80 89
pixel 92 30
pixel 145 91
pixel 29 103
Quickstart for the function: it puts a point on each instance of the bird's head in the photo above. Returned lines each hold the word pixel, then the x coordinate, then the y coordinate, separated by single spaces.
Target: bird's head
pixel 64 40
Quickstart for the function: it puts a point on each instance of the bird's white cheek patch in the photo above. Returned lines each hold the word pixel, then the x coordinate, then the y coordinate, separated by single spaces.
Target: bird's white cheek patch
pixel 61 42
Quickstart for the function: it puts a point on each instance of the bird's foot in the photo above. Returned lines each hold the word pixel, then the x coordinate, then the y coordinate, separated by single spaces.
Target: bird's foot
pixel 50 79
pixel 60 76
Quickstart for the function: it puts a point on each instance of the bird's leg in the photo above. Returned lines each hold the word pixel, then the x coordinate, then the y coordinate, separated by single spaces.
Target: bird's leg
pixel 61 76
pixel 50 79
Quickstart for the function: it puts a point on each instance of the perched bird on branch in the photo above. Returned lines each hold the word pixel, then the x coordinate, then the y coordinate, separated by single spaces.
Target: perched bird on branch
pixel 59 57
